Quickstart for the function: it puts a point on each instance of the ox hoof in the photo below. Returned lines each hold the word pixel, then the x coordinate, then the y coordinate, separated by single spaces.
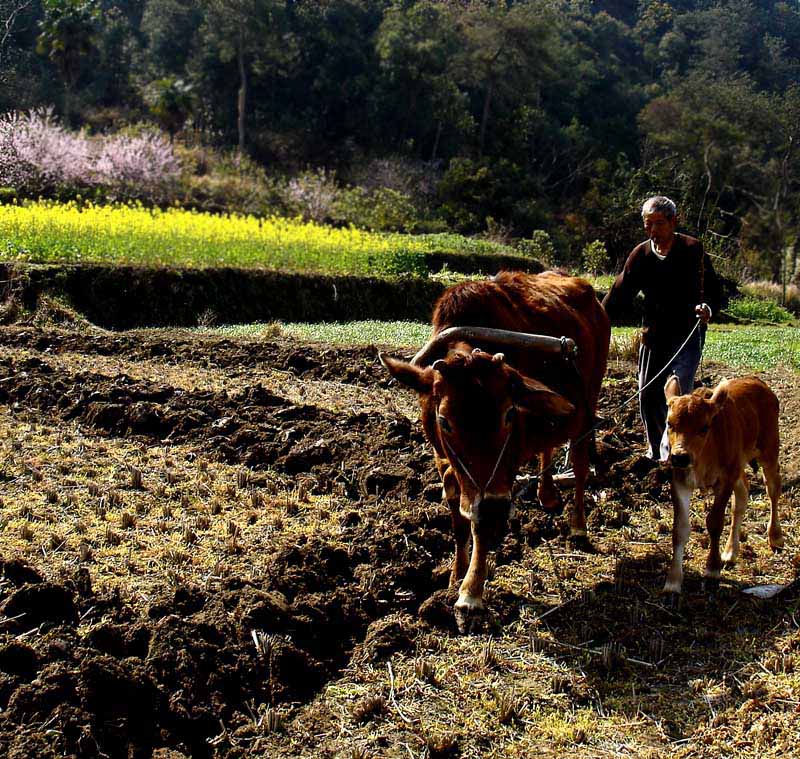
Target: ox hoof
pixel 470 614
pixel 579 541
pixel 776 544
pixel 711 585
pixel 728 557
pixel 672 599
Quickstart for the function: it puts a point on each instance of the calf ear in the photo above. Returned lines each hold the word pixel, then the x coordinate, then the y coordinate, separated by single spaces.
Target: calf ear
pixel 719 396
pixel 673 387
pixel 415 377
pixel 538 399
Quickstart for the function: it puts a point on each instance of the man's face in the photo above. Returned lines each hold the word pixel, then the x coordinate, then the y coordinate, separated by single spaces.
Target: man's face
pixel 659 228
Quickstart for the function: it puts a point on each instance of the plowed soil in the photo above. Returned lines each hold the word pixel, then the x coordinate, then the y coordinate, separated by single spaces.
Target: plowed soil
pixel 237 548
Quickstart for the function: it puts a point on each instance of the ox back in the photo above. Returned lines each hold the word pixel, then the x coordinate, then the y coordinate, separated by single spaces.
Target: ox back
pixel 486 413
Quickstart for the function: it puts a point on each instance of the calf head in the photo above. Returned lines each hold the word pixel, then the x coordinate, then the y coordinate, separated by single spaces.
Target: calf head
pixel 479 413
pixel 689 420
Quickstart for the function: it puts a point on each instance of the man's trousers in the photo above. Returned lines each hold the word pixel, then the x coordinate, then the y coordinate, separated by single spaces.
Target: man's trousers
pixel 652 403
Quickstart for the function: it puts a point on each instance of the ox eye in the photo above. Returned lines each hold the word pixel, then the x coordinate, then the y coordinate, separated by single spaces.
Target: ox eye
pixel 510 415
pixel 444 424
pixel 705 428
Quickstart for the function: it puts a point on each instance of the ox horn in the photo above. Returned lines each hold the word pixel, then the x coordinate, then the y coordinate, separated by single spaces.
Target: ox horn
pixel 561 345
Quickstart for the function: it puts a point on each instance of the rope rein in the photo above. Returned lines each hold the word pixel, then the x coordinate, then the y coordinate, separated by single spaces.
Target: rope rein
pixel 627 401
pixel 481 490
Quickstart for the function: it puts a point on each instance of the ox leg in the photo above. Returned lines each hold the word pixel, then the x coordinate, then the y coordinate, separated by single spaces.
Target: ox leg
pixel 740 495
pixel 681 498
pixel 580 467
pixel 772 475
pixel 549 497
pixel 715 520
pixel 452 494
pixel 469 606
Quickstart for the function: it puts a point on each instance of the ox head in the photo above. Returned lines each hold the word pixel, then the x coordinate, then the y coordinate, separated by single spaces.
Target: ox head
pixel 690 418
pixel 478 413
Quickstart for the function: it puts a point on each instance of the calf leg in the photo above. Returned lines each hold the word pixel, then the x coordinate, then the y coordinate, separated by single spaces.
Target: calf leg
pixel 740 495
pixel 772 475
pixel 681 498
pixel 452 494
pixel 549 497
pixel 715 520
pixel 580 466
pixel 469 606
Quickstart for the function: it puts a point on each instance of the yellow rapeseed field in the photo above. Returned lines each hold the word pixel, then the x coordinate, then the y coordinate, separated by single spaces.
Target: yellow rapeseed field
pixel 47 231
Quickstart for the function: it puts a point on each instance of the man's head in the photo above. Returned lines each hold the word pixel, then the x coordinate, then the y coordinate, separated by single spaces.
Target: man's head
pixel 660 218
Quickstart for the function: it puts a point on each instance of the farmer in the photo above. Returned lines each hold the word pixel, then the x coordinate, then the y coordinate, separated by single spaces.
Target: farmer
pixel 680 287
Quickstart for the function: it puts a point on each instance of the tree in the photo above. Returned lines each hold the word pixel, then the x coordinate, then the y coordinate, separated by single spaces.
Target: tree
pixel 730 152
pixel 416 46
pixel 506 51
pixel 67 38
pixel 10 11
pixel 249 32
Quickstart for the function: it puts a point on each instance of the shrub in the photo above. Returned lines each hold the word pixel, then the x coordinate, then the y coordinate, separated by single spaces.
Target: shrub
pixel 312 195
pixel 539 246
pixel 594 257
pixel 40 157
pixel 143 166
pixel 471 191
pixel 757 309
pixel 380 210
pixel 415 179
pixel 228 183
pixel 773 291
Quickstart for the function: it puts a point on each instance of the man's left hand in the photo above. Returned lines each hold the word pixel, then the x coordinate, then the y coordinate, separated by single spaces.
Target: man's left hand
pixel 703 312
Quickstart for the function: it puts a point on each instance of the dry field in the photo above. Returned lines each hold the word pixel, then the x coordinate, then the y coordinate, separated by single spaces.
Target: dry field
pixel 236 549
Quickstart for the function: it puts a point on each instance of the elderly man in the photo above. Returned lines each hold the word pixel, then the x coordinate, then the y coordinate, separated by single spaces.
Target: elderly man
pixel 680 287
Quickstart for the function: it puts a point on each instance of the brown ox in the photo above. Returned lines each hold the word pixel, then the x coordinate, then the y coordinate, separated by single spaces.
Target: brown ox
pixel 486 413
pixel 713 435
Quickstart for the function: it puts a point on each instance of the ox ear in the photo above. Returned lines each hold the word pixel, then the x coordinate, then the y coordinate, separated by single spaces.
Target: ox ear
pixel 539 399
pixel 673 388
pixel 415 377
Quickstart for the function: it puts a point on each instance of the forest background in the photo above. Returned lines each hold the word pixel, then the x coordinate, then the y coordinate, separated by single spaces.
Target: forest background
pixel 544 122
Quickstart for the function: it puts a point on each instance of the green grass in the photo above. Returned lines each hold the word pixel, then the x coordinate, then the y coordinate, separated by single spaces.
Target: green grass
pixel 748 347
pixel 759 309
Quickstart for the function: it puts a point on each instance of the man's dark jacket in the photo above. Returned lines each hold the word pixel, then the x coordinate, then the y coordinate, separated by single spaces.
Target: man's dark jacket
pixel 672 288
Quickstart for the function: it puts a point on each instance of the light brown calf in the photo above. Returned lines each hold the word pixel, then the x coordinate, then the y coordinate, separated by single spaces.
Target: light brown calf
pixel 713 436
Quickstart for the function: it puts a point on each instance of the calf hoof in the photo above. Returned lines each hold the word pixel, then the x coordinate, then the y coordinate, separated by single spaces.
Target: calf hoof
pixel 728 557
pixel 470 615
pixel 579 540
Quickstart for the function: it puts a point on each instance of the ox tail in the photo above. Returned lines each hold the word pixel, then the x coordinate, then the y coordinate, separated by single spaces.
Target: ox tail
pixel 754 466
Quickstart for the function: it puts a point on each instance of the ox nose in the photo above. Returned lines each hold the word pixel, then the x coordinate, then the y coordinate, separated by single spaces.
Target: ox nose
pixel 680 460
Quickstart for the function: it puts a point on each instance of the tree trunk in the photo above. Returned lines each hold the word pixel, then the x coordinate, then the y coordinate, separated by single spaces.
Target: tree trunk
pixel 242 99
pixel 487 102
pixel 436 141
